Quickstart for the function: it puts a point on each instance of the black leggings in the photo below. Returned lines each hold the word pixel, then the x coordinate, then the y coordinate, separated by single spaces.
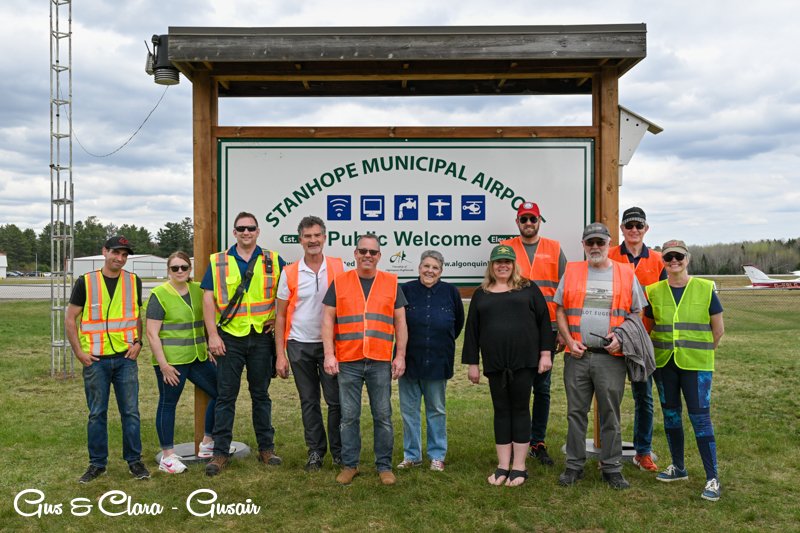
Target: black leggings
pixel 511 398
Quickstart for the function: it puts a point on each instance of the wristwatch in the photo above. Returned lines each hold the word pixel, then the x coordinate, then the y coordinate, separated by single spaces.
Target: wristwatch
pixel 138 341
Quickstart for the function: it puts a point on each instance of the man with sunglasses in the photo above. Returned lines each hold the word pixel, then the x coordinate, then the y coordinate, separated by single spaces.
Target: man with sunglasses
pixel 364 315
pixel 244 338
pixel 593 298
pixel 649 269
pixel 104 328
pixel 542 261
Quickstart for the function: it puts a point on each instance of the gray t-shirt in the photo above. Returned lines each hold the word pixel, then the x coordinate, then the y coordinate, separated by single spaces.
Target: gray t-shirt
pixel 596 315
pixel 155 311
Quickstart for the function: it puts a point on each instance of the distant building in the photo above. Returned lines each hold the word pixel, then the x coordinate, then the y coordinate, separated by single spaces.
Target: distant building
pixel 3 265
pixel 143 265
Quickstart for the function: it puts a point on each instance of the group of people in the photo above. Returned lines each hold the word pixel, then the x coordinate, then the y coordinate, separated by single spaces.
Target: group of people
pixel 337 331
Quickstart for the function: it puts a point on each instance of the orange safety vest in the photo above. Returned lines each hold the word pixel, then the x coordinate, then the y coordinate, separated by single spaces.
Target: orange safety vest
pixel 648 270
pixel 333 267
pixel 575 290
pixel 544 269
pixel 109 324
pixel 364 329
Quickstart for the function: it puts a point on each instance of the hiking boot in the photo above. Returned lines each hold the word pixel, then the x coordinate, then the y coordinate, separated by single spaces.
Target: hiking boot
pixel 712 490
pixel 645 462
pixel 673 473
pixel 268 457
pixel 616 480
pixel 437 466
pixel 539 451
pixel 138 470
pixel 387 477
pixel 569 477
pixel 92 473
pixel 171 464
pixel 216 465
pixel 314 463
pixel 346 476
pixel 408 463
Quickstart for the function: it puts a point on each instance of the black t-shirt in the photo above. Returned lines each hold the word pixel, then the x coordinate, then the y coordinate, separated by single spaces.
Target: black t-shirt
pixel 366 286
pixel 78 296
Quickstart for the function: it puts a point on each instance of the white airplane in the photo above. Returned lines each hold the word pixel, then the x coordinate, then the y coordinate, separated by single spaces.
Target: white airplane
pixel 760 280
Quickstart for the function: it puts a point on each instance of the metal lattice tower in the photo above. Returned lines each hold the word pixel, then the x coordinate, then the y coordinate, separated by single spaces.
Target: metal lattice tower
pixel 61 191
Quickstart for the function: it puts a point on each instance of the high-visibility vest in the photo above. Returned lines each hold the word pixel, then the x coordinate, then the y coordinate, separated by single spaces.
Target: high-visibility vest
pixel 333 267
pixel 258 302
pixel 183 337
pixel 575 278
pixel 543 271
pixel 683 329
pixel 647 270
pixel 109 325
pixel 364 328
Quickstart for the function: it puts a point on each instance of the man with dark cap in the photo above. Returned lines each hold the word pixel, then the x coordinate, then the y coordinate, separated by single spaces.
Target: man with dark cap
pixel 104 328
pixel 542 261
pixel 649 269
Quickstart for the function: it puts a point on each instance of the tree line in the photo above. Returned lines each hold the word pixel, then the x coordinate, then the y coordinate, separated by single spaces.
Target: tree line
pixel 26 251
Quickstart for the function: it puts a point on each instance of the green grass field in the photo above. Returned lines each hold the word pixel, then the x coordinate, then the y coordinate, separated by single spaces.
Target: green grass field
pixel 755 413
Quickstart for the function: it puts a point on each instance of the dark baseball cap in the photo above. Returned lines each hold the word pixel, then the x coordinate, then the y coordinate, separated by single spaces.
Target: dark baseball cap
pixel 634 214
pixel 596 230
pixel 118 242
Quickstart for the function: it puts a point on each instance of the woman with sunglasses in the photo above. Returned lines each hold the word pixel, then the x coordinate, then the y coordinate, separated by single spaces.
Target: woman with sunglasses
pixel 508 326
pixel 178 342
pixel 688 327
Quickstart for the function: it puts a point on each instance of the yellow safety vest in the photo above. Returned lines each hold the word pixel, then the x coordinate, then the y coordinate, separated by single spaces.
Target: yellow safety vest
pixel 683 329
pixel 258 303
pixel 109 325
pixel 182 333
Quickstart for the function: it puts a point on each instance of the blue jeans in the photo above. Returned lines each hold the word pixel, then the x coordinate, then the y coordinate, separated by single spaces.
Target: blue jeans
pixel 411 392
pixel 254 351
pixel 541 406
pixel 378 377
pixel 204 375
pixel 97 380
pixel 643 416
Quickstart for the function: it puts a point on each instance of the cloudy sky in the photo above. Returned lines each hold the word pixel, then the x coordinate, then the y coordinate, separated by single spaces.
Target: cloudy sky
pixel 720 78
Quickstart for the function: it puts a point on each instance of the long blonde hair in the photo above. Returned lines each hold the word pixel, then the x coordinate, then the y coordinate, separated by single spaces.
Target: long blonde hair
pixel 515 282
pixel 180 255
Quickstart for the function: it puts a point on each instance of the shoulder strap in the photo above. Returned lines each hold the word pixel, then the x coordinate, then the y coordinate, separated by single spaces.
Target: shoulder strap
pixel 230 311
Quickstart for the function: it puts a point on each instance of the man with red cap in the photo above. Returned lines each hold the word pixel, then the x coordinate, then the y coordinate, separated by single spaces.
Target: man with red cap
pixel 542 261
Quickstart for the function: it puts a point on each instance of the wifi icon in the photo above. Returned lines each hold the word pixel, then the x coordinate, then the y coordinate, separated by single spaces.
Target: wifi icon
pixel 339 207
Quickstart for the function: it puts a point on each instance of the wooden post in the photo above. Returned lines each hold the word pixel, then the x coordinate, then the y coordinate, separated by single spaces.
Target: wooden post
pixel 204 122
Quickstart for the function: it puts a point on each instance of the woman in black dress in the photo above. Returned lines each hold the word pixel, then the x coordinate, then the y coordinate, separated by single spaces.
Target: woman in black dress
pixel 509 326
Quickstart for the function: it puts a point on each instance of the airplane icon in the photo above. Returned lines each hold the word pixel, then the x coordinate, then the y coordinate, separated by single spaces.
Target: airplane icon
pixel 439 204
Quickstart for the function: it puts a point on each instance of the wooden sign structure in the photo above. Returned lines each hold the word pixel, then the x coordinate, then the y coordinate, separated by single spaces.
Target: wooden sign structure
pixel 402 61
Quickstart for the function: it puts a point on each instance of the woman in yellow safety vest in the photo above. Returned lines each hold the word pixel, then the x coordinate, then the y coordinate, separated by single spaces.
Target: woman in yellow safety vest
pixel 178 342
pixel 688 327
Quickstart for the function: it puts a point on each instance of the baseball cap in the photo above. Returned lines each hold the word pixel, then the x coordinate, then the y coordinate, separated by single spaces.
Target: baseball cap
pixel 634 214
pixel 529 208
pixel 596 230
pixel 118 242
pixel 675 245
pixel 502 251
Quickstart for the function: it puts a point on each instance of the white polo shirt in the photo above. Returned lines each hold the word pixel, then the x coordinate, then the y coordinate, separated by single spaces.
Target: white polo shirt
pixel 311 289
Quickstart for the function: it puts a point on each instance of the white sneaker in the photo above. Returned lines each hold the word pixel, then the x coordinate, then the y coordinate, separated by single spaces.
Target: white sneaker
pixel 206 451
pixel 171 465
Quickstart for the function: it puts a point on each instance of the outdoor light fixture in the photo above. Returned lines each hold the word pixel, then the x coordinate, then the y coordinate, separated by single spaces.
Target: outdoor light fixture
pixel 158 63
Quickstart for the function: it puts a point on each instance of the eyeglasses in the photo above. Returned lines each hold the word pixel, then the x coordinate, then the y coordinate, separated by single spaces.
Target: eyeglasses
pixel 175 268
pixel 595 242
pixel 242 229
pixel 673 255
pixel 365 251
pixel 631 225
pixel 532 219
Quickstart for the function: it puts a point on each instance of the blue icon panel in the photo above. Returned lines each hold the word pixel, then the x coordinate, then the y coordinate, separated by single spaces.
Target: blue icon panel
pixel 473 207
pixel 339 207
pixel 440 207
pixel 372 207
pixel 406 207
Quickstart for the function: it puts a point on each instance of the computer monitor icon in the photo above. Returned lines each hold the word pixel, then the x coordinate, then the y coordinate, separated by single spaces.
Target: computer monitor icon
pixel 372 207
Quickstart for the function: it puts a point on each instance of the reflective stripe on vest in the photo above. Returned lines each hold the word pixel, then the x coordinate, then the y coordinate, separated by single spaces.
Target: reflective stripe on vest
pixel 333 267
pixel 364 328
pixel 575 278
pixel 182 331
pixel 258 302
pixel 109 324
pixel 683 329
pixel 543 270
pixel 647 270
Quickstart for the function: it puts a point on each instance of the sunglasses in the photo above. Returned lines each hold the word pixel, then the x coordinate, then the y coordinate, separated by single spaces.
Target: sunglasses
pixel 631 225
pixel 532 219
pixel 242 229
pixel 595 242
pixel 673 255
pixel 365 251
pixel 184 268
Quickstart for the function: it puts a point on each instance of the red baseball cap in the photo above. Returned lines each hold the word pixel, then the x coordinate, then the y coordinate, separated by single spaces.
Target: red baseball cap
pixel 529 208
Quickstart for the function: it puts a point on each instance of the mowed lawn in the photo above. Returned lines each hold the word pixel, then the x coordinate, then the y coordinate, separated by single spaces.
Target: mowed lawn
pixel 755 412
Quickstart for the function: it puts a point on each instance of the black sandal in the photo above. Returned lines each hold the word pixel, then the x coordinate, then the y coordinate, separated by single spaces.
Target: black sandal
pixel 498 474
pixel 516 474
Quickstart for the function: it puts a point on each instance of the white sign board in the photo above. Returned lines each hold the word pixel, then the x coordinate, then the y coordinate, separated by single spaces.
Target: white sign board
pixel 456 196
